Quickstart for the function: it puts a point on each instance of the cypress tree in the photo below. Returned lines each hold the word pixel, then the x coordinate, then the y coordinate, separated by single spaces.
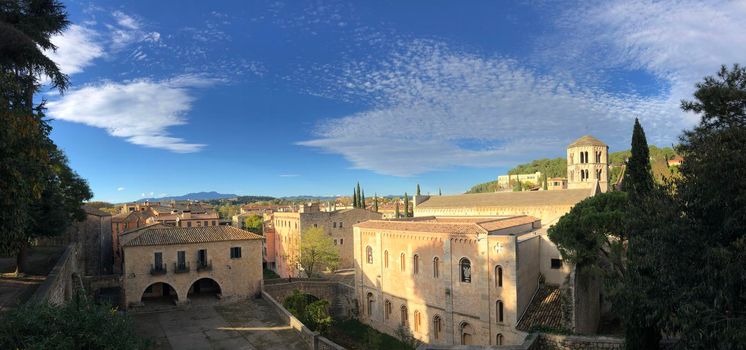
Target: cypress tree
pixel 439 193
pixel 546 185
pixel 406 205
pixel 362 199
pixel 638 178
pixel 418 190
pixel 357 205
pixel 375 202
pixel 397 209
pixel 354 198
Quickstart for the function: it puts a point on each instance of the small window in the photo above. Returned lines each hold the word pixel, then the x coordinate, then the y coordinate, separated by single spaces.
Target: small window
pixel 315 225
pixel 416 264
pixel 371 300
pixel 369 254
pixel 499 340
pixel 334 224
pixel 158 260
pixel 417 320
pixel 403 262
pixel 436 268
pixel 206 224
pixel 235 252
pixel 498 276
pixel 404 315
pixel 341 241
pixel 340 224
pixel 437 327
pixel 189 224
pixel 465 270
pixel 213 223
pixel 387 309
pixel 556 264
pixel 499 310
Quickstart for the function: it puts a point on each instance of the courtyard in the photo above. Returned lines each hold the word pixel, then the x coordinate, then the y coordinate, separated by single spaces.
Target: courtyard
pixel 206 324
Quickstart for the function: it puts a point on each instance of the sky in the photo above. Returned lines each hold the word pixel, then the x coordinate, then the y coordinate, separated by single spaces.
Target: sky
pixel 309 97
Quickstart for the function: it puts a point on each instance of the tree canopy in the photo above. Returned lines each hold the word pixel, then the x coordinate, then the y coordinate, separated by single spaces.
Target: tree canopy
pixel 317 251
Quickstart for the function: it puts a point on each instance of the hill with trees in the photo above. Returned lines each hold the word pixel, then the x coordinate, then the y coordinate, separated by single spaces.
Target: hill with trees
pixel 557 167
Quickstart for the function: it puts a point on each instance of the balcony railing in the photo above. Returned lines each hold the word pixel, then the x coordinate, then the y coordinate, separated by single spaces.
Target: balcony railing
pixel 204 265
pixel 158 269
pixel 181 268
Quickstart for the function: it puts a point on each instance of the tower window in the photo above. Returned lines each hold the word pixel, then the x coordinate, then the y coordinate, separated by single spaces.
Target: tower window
pixel 556 264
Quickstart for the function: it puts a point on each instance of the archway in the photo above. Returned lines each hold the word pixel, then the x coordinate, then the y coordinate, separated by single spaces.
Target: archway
pixel 204 289
pixel 159 293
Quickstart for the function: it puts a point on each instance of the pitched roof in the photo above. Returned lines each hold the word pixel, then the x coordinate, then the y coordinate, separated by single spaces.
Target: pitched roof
pixel 95 211
pixel 586 140
pixel 545 310
pixel 507 199
pixel 451 225
pixel 185 235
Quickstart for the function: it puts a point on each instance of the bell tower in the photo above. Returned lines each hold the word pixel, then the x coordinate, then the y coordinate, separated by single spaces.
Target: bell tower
pixel 588 162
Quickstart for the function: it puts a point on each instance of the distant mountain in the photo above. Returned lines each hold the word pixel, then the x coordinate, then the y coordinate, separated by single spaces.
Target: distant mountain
pixel 197 196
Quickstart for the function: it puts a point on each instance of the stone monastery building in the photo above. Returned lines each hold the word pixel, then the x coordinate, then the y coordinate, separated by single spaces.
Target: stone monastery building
pixel 479 268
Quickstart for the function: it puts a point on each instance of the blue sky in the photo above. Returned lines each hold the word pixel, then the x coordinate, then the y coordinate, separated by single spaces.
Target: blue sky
pixel 289 98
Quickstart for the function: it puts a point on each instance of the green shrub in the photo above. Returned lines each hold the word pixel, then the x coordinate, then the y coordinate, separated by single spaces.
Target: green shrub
pixel 80 324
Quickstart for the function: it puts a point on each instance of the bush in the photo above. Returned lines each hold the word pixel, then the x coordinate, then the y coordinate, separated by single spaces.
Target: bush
pixel 313 314
pixel 80 324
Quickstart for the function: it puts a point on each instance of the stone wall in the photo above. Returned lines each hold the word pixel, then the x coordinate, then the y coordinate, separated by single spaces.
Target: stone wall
pixel 313 339
pixel 340 296
pixel 543 341
pixel 62 281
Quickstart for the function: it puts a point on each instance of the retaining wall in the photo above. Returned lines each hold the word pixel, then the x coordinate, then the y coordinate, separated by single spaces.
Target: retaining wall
pixel 340 296
pixel 313 339
pixel 62 281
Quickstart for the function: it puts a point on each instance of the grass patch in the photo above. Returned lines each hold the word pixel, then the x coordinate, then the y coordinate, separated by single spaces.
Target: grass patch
pixel 269 274
pixel 352 334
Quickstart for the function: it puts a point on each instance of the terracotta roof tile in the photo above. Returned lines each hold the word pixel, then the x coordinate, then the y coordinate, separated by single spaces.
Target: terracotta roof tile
pixel 452 225
pixel 545 310
pixel 507 199
pixel 184 235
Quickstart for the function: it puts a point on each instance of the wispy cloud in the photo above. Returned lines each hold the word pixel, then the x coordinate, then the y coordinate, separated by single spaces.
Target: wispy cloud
pixel 140 111
pixel 289 175
pixel 120 189
pixel 77 47
pixel 433 106
pixel 128 30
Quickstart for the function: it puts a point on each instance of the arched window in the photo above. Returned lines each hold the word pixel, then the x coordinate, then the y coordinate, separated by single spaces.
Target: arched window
pixel 465 270
pixel 403 262
pixel 416 264
pixel 437 327
pixel 582 158
pixel 498 276
pixel 387 309
pixel 404 315
pixel 586 157
pixel 369 254
pixel 371 301
pixel 467 332
pixel 417 320
pixel 386 259
pixel 499 339
pixel 436 268
pixel 499 310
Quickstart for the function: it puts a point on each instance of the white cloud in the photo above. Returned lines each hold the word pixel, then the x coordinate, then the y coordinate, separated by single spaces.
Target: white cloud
pixel 125 20
pixel 120 189
pixel 433 107
pixel 289 175
pixel 140 111
pixel 77 47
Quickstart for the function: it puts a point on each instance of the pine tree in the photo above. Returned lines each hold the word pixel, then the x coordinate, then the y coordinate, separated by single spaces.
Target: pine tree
pixel 406 205
pixel 375 202
pixel 418 190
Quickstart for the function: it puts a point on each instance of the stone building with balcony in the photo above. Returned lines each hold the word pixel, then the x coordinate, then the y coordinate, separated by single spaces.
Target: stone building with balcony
pixel 174 265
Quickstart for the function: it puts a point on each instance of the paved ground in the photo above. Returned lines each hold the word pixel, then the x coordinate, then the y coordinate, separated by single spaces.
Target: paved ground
pixel 16 290
pixel 247 324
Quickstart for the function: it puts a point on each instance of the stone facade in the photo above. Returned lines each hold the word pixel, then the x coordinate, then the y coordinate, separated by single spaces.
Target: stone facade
pixel 95 238
pixel 60 284
pixel 236 277
pixel 588 162
pixel 337 224
pixel 504 181
pixel 417 273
